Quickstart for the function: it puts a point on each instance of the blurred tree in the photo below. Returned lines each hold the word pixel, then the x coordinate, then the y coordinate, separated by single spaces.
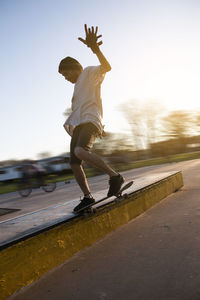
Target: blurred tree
pixel 152 113
pixel 133 115
pixel 143 119
pixel 177 124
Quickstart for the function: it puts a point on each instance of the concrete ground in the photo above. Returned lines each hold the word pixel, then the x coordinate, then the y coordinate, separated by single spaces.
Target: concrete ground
pixel 154 257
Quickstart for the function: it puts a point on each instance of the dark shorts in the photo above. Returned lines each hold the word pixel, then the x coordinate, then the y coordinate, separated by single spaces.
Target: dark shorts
pixel 84 136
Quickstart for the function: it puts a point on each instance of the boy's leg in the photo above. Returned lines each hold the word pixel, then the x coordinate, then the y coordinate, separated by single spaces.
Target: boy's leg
pixel 116 180
pixel 94 160
pixel 75 163
pixel 81 178
pixel 82 182
pixel 82 141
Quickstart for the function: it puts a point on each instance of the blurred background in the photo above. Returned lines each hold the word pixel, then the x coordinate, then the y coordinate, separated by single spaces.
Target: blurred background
pixel 151 97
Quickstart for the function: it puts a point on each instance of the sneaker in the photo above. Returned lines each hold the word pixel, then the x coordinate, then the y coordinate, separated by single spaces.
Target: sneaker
pixel 84 202
pixel 115 183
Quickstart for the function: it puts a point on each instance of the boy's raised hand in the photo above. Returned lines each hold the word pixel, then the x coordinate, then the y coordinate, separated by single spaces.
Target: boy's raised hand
pixel 91 38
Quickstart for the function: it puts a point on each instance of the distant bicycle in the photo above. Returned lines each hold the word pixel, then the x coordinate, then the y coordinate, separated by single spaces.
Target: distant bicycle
pixel 25 188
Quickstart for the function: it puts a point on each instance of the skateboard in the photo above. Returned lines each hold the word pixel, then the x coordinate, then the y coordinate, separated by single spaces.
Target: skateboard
pixel 119 196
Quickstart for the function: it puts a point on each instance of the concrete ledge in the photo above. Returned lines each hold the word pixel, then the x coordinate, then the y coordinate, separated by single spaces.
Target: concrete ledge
pixel 25 261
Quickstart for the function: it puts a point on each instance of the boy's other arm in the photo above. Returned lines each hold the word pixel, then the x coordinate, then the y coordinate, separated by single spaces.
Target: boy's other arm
pixel 91 40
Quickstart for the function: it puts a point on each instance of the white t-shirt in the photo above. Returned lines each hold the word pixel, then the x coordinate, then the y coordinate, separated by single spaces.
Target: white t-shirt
pixel 86 100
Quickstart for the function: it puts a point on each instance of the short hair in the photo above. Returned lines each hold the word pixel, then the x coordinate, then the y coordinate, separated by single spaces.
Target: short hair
pixel 69 63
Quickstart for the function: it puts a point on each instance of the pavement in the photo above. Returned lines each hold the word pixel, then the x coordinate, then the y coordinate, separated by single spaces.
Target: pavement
pixel 155 256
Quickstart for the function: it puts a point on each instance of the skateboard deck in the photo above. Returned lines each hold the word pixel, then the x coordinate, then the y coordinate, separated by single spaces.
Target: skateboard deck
pixel 119 196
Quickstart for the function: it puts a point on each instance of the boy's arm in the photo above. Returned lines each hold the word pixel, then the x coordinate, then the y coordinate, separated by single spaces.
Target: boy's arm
pixel 91 40
pixel 103 61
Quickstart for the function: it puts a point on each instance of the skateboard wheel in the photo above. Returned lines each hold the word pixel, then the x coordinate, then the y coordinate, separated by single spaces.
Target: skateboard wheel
pixel 125 196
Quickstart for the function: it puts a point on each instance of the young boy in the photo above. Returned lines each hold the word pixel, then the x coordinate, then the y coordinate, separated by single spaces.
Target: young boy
pixel 85 122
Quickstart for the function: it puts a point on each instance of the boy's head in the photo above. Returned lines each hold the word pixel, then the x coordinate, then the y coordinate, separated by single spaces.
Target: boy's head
pixel 70 68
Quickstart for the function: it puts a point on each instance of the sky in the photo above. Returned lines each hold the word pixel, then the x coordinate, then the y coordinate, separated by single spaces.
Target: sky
pixel 152 46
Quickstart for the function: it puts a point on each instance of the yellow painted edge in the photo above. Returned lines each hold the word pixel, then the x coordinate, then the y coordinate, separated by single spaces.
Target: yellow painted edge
pixel 26 261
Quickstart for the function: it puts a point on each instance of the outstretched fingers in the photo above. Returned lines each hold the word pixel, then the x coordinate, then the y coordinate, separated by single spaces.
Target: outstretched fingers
pixel 91 37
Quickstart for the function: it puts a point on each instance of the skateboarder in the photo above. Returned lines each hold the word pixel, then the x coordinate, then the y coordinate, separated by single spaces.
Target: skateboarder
pixel 84 124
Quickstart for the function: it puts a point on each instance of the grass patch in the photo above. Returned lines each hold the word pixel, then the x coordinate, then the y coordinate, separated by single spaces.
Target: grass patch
pixel 7 188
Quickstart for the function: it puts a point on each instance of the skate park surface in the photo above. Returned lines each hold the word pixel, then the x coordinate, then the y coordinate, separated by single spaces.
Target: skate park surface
pixel 140 260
